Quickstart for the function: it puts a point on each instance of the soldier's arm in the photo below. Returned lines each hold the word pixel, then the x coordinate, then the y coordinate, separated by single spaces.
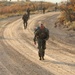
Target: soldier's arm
pixel 47 35
pixel 36 35
pixel 34 38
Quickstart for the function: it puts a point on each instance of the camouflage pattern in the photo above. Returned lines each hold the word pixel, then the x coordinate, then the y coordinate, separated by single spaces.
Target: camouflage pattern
pixel 41 36
pixel 25 19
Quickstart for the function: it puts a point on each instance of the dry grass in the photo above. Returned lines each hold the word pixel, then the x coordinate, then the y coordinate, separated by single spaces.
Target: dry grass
pixel 11 9
pixel 72 26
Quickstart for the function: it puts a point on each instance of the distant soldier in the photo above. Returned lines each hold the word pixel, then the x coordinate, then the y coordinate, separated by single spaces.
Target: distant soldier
pixel 44 10
pixel 41 36
pixel 25 20
pixel 55 8
pixel 28 12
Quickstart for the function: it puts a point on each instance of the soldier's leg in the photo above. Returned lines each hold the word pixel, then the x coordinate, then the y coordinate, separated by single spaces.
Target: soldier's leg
pixel 44 44
pixel 39 53
pixel 26 24
pixel 43 48
pixel 42 53
pixel 39 47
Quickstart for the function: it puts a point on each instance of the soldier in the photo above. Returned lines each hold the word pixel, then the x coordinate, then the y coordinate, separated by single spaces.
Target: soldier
pixel 25 20
pixel 28 12
pixel 43 10
pixel 41 35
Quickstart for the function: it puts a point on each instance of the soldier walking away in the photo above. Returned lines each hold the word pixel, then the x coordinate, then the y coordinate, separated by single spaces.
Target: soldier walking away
pixel 44 10
pixel 25 20
pixel 55 9
pixel 28 12
pixel 41 36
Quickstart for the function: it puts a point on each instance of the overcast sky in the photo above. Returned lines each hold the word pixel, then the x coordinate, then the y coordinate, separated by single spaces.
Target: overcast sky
pixel 54 1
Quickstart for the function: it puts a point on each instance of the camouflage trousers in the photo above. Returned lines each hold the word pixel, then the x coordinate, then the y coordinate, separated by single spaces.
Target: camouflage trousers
pixel 25 24
pixel 41 47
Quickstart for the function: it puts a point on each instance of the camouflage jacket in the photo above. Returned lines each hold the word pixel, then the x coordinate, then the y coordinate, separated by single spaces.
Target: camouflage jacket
pixel 41 34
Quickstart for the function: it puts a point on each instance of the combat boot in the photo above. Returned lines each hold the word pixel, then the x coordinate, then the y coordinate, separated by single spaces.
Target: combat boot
pixel 43 58
pixel 40 58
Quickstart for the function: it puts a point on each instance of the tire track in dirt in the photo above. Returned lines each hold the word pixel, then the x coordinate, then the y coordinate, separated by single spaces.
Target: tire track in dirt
pixel 12 61
pixel 19 39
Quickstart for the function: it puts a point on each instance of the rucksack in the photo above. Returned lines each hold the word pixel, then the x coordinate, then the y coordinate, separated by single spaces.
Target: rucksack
pixel 25 17
pixel 35 30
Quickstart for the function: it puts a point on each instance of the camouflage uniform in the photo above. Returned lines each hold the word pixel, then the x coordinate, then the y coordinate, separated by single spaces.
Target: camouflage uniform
pixel 41 36
pixel 43 10
pixel 25 19
pixel 28 12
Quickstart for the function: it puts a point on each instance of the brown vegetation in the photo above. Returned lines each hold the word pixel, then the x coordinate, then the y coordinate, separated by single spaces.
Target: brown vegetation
pixel 68 11
pixel 18 8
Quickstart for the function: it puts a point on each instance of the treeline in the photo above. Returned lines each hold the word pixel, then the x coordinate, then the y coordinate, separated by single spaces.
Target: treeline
pixel 20 7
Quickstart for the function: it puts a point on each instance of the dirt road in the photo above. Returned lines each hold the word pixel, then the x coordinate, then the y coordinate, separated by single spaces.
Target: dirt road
pixel 19 55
